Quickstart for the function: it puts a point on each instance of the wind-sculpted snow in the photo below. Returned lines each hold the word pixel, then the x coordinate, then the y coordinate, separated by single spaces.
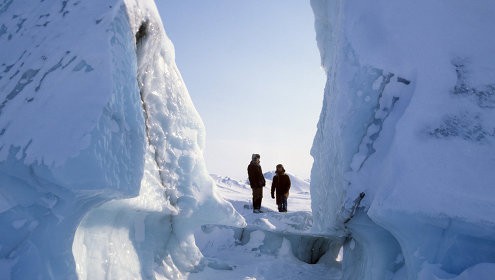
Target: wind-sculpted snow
pixel 407 118
pixel 93 108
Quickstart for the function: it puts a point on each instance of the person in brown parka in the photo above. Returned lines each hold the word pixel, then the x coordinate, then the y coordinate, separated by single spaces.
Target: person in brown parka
pixel 257 182
pixel 281 184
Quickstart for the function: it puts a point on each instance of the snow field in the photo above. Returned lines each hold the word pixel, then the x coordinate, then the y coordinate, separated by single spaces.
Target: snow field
pixel 273 245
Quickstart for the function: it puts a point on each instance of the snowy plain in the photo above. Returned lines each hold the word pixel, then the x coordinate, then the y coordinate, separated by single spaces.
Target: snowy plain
pixel 273 246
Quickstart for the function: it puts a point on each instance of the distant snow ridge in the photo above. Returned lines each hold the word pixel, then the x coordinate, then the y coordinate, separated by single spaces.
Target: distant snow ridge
pixel 407 118
pixel 297 184
pixel 93 108
pixel 227 181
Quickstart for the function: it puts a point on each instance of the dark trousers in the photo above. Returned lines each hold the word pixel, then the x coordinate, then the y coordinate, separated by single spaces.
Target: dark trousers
pixel 257 197
pixel 282 207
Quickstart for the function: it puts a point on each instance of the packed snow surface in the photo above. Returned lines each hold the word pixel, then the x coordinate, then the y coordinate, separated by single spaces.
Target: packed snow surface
pixel 408 118
pixel 273 245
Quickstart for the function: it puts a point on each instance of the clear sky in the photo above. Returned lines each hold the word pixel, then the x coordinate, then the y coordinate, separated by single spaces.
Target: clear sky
pixel 253 71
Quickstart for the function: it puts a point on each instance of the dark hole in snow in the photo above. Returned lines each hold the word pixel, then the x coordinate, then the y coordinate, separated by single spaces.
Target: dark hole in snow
pixel 355 206
pixel 64 5
pixel 142 32
pixel 3 30
pixel 402 80
pixel 20 24
pixel 15 74
pixel 26 78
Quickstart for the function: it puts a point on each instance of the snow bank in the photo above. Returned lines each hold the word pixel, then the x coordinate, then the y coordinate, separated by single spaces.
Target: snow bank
pixel 408 118
pixel 93 108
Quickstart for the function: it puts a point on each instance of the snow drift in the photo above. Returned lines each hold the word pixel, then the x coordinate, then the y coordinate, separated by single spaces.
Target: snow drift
pixel 93 111
pixel 407 118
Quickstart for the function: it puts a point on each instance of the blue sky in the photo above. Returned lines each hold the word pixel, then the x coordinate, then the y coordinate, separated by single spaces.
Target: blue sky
pixel 253 71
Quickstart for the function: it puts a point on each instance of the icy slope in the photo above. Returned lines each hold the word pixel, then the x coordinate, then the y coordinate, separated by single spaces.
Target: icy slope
pixel 407 118
pixel 93 108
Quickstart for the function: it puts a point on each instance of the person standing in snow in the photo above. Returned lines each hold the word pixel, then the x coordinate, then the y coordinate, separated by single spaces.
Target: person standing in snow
pixel 281 184
pixel 257 182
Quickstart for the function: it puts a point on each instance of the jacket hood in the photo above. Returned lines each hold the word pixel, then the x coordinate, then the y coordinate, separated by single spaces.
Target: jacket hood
pixel 278 166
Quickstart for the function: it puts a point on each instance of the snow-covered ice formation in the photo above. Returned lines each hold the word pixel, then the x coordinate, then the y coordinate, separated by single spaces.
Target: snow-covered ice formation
pixel 93 111
pixel 408 118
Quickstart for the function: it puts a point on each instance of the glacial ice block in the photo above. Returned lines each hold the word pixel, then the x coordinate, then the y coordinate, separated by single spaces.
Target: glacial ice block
pixel 407 118
pixel 99 141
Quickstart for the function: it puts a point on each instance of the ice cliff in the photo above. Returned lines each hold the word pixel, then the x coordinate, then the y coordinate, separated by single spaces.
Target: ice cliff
pixel 408 118
pixel 100 145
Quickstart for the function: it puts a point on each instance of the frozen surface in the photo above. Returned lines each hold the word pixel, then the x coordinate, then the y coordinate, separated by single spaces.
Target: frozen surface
pixel 407 118
pixel 273 245
pixel 93 111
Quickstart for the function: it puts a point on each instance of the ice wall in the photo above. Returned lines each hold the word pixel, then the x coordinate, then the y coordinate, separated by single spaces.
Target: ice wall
pixel 407 118
pixel 93 109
